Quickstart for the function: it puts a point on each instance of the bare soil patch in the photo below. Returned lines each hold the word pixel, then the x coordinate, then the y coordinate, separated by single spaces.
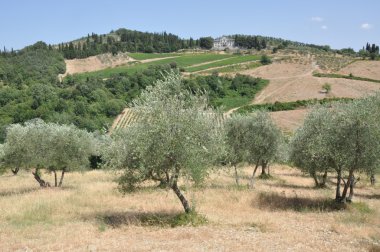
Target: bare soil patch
pixel 369 69
pixel 95 63
pixel 290 120
pixel 291 82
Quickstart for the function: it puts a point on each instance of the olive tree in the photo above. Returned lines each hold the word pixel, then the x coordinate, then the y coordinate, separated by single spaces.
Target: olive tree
pixel 267 141
pixel 15 149
pixel 343 137
pixel 175 137
pixel 236 142
pixel 308 146
pixel 254 139
pixel 49 146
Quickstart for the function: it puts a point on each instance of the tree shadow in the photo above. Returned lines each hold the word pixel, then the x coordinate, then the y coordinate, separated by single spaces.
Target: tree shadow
pixel 368 196
pixel 160 219
pixel 275 201
pixel 19 191
pixel 116 220
pixel 301 175
pixel 296 186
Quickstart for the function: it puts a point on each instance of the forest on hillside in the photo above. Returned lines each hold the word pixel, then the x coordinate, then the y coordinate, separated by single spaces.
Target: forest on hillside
pixel 123 40
pixel 29 88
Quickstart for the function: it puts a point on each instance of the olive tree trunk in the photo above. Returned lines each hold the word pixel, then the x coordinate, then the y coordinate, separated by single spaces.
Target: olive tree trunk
pixel 15 170
pixel 37 177
pixel 251 184
pixel 350 180
pixel 55 179
pixel 263 168
pixel 338 181
pixel 62 175
pixel 180 196
pixel 236 175
pixel 324 179
pixel 373 179
pixel 314 176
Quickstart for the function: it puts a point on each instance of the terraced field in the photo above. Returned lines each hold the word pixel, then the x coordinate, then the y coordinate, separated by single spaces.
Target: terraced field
pixel 127 117
pixel 182 61
pixel 223 63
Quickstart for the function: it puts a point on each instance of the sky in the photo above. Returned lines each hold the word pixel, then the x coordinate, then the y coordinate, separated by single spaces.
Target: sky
pixel 338 23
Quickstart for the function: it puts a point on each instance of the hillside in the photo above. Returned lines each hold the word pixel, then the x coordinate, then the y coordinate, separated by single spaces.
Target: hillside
pixel 291 78
pixel 123 189
pixel 91 91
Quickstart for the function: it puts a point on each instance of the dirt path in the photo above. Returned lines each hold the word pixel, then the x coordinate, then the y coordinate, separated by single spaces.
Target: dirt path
pixel 157 59
pixel 210 62
pixel 219 67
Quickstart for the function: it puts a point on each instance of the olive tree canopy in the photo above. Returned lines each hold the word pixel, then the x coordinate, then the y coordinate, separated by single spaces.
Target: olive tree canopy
pixel 175 137
pixel 344 137
pixel 50 146
pixel 254 139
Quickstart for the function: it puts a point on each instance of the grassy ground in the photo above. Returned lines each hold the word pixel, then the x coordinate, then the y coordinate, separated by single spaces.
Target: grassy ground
pixel 233 99
pixel 145 56
pixel 226 62
pixel 89 214
pixel 234 68
pixel 184 60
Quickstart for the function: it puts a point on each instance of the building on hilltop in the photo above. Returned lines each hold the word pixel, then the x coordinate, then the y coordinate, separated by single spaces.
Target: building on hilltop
pixel 224 42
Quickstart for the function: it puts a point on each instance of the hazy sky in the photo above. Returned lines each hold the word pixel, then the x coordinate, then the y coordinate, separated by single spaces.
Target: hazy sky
pixel 338 23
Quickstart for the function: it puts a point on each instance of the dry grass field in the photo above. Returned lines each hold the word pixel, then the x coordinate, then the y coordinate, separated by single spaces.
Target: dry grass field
pixel 290 120
pixel 291 82
pixel 281 214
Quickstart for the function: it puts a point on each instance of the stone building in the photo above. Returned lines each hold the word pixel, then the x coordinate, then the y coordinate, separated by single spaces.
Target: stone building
pixel 224 42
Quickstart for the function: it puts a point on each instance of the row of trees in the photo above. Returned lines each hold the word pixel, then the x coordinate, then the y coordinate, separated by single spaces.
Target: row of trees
pixel 370 51
pixel 180 137
pixel 124 40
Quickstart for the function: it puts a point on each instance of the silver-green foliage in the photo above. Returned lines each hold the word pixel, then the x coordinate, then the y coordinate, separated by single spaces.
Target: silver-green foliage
pixel 343 137
pixel 309 150
pixel 177 136
pixel 47 145
pixel 253 139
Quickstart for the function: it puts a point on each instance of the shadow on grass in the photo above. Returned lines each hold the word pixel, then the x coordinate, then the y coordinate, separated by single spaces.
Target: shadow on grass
pixel 296 186
pixel 19 191
pixel 160 219
pixel 368 196
pixel 32 189
pixel 275 201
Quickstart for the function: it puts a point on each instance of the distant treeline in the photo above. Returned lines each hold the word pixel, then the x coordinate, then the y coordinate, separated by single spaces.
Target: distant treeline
pixel 124 40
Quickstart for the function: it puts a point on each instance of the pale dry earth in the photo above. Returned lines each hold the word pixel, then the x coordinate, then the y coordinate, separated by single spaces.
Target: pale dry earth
pixel 292 82
pixel 289 121
pixel 72 218
pixel 95 63
pixel 369 69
